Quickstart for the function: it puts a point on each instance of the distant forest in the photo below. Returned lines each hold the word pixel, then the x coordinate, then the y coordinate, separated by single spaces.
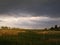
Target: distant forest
pixel 55 28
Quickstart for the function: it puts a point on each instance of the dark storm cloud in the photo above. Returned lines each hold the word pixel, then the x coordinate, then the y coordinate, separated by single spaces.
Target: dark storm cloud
pixel 50 8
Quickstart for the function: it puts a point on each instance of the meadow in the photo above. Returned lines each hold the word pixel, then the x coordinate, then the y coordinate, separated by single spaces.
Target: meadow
pixel 29 37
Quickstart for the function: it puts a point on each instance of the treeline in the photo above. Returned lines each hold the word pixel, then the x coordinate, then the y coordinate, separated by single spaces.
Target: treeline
pixel 8 28
pixel 56 28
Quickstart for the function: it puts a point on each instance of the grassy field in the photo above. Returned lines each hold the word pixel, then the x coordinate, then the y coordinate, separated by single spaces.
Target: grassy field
pixel 25 37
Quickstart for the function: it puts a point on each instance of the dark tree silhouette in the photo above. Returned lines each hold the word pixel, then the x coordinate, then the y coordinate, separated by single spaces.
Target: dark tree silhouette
pixel 52 28
pixel 56 26
pixel 4 27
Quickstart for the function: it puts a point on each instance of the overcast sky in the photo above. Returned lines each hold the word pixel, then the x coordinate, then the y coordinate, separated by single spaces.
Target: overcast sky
pixel 29 13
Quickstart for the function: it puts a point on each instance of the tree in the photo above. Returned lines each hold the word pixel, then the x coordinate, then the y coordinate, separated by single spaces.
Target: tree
pixel 46 29
pixel 4 27
pixel 56 27
pixel 52 28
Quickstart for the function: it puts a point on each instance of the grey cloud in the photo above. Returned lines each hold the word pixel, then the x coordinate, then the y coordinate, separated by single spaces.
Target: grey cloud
pixel 50 8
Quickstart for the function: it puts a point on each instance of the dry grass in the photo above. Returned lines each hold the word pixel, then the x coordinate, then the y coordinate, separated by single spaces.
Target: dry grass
pixel 43 37
pixel 10 32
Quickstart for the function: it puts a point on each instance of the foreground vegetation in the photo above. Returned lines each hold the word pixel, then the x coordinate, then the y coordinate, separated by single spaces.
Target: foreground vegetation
pixel 16 36
pixel 30 38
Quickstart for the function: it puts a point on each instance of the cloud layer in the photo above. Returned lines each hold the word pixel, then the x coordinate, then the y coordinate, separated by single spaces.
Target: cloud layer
pixel 50 8
pixel 29 22
pixel 29 13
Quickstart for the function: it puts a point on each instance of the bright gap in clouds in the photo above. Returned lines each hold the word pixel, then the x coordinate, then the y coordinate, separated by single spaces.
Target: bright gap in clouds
pixel 26 22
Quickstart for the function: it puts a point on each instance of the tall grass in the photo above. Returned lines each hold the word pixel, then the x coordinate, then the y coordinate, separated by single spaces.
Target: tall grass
pixel 31 38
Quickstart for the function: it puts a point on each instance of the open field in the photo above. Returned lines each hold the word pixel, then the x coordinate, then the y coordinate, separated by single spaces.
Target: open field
pixel 10 32
pixel 27 37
